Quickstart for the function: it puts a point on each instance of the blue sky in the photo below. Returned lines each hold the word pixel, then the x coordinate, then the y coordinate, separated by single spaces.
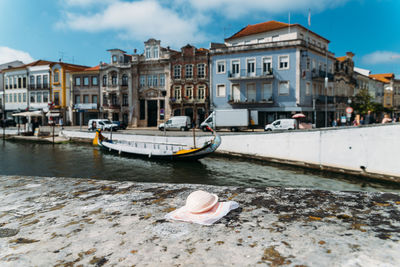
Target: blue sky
pixel 80 31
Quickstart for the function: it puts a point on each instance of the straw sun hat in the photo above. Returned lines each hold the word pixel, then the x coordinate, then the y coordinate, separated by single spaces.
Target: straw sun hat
pixel 200 201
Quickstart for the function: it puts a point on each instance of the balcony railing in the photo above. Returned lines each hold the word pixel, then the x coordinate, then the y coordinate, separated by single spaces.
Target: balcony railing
pixel 252 103
pixel 244 74
pixel 184 100
pixel 318 74
pixel 86 106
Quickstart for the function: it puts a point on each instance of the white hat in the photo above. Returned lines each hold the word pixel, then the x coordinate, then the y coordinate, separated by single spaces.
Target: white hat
pixel 200 201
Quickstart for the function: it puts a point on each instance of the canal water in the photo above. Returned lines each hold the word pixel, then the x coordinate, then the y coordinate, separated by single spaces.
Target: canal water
pixel 85 161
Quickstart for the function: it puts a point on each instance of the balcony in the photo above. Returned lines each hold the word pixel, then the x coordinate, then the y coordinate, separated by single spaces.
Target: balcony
pixel 320 75
pixel 251 104
pixel 320 99
pixel 32 86
pixel 86 106
pixel 245 75
pixel 188 101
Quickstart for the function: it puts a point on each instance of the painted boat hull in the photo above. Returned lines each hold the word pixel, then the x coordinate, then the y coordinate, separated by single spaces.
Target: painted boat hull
pixel 157 151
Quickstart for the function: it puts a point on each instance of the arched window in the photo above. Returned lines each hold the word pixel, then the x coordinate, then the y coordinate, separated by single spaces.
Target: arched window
pixel 125 79
pixel 114 78
pixel 105 80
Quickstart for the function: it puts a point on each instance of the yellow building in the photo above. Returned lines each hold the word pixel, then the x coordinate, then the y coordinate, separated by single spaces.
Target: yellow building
pixel 388 94
pixel 61 91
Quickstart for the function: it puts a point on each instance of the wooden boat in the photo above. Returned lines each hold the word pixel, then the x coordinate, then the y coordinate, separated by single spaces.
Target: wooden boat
pixel 167 151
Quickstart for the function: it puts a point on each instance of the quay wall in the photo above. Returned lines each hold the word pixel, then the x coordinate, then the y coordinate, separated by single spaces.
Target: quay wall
pixel 371 151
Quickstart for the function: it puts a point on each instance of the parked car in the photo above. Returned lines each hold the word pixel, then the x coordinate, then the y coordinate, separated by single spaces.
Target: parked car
pixel 282 124
pixel 121 125
pixel 182 123
pixel 102 124
pixel 8 123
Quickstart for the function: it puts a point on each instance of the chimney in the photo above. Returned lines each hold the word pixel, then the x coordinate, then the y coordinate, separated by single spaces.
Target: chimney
pixel 134 51
pixel 349 55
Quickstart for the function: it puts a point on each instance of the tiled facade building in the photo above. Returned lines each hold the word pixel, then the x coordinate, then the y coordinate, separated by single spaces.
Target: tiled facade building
pixel 190 83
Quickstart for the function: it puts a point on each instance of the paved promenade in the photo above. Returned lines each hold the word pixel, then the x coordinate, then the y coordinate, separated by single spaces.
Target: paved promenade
pixel 81 222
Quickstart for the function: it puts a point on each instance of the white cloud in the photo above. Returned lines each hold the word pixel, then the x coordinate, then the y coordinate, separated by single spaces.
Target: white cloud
pixel 8 54
pixel 381 57
pixel 83 3
pixel 139 20
pixel 234 8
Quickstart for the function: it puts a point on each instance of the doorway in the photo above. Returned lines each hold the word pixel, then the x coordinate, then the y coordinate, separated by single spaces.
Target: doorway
pixel 151 113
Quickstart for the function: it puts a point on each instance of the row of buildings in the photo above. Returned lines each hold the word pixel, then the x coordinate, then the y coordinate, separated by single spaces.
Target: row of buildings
pixel 275 68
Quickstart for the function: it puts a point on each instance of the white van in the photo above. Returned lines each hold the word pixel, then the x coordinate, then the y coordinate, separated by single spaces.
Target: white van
pixel 182 123
pixel 102 124
pixel 282 124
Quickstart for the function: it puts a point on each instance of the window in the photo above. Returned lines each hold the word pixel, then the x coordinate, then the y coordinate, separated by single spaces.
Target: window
pixel 114 100
pixel 162 109
pixel 155 80
pixel 19 98
pixel 15 98
pixel 6 99
pixel 86 81
pixel 94 99
pixel 189 92
pixel 235 67
pixel 20 82
pixel 148 52
pixel 24 97
pixel 95 80
pixel 45 97
pixel 86 99
pixel 77 99
pixel 32 97
pixel 301 36
pixel 220 67
pixel 125 80
pixel 15 82
pixel 77 81
pixel 142 80
pixel 56 98
pixel 45 81
pixel 267 65
pixel 251 63
pixel 308 88
pixel 200 71
pixel 114 79
pixel 221 91
pixel 267 91
pixel 38 81
pixel 105 80
pixel 251 92
pixel 283 62
pixel 39 97
pixel 104 100
pixel 24 82
pixel 189 71
pixel 177 92
pixel 260 40
pixel 125 100
pixel 149 80
pixel 201 92
pixel 114 59
pixel 56 76
pixel 177 71
pixel 284 88
pixel 155 52
pixel 162 79
pixel 308 64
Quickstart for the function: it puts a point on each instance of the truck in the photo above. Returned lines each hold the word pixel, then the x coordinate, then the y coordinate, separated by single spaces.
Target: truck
pixel 232 119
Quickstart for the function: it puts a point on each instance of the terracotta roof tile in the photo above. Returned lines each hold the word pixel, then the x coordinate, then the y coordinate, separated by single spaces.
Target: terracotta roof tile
pixel 383 77
pixel 341 59
pixel 265 27
pixel 93 68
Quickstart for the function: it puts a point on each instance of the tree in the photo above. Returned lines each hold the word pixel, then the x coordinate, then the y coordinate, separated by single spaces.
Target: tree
pixel 362 102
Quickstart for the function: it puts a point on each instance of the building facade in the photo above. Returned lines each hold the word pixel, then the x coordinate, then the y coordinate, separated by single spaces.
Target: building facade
pixel 276 71
pixel 15 90
pixel 86 95
pixel 116 87
pixel 4 66
pixel 190 83
pixel 152 69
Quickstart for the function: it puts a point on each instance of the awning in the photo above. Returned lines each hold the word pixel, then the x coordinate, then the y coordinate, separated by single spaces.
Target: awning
pixel 28 114
pixel 52 114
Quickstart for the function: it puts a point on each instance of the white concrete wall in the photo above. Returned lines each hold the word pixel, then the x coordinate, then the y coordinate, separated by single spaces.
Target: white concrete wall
pixel 376 148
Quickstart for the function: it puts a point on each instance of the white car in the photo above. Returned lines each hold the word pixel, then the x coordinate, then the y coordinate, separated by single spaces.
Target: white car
pixel 102 124
pixel 182 123
pixel 282 124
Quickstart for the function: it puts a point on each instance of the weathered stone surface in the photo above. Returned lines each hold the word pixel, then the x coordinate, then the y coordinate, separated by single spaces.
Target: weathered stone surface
pixel 71 222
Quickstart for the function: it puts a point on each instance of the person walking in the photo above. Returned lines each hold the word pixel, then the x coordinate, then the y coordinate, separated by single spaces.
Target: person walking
pixel 369 119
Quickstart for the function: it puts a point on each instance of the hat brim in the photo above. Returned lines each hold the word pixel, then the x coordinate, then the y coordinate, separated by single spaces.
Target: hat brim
pixel 207 208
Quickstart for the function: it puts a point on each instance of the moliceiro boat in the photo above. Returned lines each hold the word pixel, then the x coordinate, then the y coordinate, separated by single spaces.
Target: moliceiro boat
pixel 167 151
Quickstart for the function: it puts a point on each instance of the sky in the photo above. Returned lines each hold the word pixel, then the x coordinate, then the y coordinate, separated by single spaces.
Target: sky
pixel 81 31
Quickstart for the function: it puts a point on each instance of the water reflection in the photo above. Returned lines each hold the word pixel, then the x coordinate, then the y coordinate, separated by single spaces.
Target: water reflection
pixel 73 160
